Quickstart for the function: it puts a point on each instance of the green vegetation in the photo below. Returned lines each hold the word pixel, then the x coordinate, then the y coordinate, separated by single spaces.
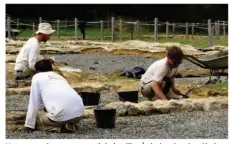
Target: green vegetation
pixel 199 41
pixel 217 86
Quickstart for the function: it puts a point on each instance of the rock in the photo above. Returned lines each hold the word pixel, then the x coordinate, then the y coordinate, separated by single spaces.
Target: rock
pixel 145 107
pixel 18 91
pixel 161 106
pixel 18 83
pixel 88 113
pixel 119 106
pixel 12 52
pixel 176 105
pixel 14 127
pixel 11 84
pixel 211 104
pixel 15 115
pixel 69 69
pixel 224 103
pixel 131 108
pixel 215 93
pixel 197 105
pixel 15 120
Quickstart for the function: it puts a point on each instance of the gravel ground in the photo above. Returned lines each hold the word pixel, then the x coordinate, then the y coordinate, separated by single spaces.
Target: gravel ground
pixel 20 102
pixel 111 62
pixel 183 125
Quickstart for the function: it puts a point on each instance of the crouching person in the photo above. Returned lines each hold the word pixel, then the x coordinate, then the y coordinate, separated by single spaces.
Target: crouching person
pixel 64 107
pixel 158 80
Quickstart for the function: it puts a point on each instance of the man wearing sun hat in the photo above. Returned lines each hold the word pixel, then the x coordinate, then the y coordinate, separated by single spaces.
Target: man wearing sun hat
pixel 28 55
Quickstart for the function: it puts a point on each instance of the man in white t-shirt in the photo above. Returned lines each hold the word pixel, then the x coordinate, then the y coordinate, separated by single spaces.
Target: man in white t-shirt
pixel 28 55
pixel 63 105
pixel 158 80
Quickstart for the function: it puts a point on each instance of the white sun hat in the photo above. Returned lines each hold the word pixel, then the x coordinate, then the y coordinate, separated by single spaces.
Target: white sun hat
pixel 45 28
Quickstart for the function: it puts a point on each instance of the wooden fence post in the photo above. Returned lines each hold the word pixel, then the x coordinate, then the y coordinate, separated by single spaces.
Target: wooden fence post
pixel 108 22
pixel 192 30
pixel 137 29
pixel 17 23
pixel 58 29
pixel 101 30
pixel 120 29
pixel 76 29
pixel 40 19
pixel 224 30
pixel 213 29
pixel 209 33
pixel 186 30
pixel 218 23
pixel 167 28
pixel 216 32
pixel 156 29
pixel 173 28
pixel 9 27
pixel 66 24
pixel 33 29
pixel 112 26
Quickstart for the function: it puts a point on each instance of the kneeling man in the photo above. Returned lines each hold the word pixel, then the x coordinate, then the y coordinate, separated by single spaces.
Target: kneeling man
pixel 158 80
pixel 63 104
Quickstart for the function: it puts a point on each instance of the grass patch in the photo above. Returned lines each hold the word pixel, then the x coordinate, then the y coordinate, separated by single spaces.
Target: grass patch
pixel 145 35
pixel 199 43
pixel 217 86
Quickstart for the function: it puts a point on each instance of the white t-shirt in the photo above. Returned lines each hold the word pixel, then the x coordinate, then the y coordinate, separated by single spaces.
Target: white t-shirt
pixel 59 98
pixel 158 70
pixel 28 55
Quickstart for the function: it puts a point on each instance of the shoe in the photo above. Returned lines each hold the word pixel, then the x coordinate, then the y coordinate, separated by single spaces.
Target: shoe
pixel 172 95
pixel 67 128
pixel 70 127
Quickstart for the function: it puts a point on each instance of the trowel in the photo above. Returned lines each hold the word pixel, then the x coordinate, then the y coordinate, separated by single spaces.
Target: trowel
pixel 185 95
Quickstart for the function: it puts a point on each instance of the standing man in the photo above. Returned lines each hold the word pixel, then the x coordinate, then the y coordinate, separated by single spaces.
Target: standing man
pixel 63 105
pixel 28 55
pixel 158 80
pixel 82 29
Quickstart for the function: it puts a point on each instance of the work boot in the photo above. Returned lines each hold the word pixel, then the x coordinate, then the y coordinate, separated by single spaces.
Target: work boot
pixel 68 128
pixel 172 95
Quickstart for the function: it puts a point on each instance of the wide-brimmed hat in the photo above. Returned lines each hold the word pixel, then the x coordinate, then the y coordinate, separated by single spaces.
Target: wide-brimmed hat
pixel 45 28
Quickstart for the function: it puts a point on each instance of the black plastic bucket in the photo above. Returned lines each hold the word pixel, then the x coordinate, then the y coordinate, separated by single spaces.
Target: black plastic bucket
pixel 105 117
pixel 131 96
pixel 90 98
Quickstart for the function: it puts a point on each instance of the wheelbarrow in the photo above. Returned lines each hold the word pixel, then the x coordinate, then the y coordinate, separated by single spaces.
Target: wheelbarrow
pixel 212 63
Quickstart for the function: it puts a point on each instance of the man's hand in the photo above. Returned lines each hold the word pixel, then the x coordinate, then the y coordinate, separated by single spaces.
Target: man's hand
pixel 176 91
pixel 28 130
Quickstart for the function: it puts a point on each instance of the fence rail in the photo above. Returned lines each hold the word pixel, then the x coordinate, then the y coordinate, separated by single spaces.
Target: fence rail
pixel 216 29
